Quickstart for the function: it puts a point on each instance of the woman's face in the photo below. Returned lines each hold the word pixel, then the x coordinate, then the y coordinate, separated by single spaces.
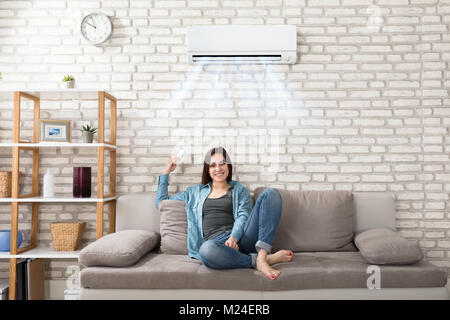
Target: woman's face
pixel 218 168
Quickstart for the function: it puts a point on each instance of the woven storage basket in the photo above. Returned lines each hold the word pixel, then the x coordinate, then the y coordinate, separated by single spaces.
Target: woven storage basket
pixel 66 236
pixel 5 184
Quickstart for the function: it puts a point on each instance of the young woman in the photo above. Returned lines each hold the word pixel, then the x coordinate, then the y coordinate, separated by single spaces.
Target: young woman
pixel 224 232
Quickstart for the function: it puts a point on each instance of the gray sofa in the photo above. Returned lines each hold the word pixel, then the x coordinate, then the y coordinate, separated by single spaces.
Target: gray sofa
pixel 336 274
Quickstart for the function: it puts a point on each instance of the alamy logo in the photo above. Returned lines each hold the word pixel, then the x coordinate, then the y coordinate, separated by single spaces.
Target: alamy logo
pixel 73 281
pixel 374 280
pixel 375 20
pixel 261 147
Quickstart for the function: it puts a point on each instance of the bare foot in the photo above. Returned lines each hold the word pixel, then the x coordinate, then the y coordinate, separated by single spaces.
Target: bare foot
pixel 280 256
pixel 264 267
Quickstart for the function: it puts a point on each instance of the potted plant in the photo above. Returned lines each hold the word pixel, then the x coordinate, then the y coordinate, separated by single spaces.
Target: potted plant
pixel 88 133
pixel 69 81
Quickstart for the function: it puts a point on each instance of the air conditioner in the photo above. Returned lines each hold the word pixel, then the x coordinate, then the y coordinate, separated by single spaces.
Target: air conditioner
pixel 268 44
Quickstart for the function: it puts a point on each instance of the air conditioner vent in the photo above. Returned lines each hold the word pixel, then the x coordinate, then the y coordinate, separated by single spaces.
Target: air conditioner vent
pixel 242 44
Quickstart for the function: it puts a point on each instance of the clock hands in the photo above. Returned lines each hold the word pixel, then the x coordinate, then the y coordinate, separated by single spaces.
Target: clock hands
pixel 92 25
pixel 93 22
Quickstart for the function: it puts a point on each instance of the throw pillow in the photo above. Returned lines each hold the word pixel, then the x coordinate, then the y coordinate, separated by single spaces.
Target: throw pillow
pixel 173 227
pixel 314 221
pixel 120 249
pixel 385 246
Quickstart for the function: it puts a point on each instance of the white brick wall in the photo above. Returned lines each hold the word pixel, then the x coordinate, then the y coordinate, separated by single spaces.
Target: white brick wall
pixel 364 109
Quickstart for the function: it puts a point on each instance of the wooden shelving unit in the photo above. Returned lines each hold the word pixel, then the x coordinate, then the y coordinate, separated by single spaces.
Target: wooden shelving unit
pixel 32 250
pixel 56 200
pixel 42 253
pixel 57 145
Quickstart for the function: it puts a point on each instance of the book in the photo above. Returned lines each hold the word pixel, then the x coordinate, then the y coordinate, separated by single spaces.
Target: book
pixel 35 279
pixel 82 182
pixel 21 280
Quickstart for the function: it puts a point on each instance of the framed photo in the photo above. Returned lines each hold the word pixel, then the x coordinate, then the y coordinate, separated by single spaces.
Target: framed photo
pixel 54 131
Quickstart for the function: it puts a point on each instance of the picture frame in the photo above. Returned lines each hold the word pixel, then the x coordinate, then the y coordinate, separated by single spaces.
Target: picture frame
pixel 54 130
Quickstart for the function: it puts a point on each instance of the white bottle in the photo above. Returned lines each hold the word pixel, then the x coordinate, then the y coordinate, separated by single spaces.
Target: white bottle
pixel 48 184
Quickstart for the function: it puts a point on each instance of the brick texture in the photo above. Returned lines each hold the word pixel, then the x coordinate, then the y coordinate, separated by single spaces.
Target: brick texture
pixel 365 108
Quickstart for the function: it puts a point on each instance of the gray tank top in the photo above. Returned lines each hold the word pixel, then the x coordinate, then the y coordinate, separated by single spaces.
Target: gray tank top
pixel 218 215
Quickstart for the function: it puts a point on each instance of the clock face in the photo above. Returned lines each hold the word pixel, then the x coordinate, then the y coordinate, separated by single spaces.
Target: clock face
pixel 96 28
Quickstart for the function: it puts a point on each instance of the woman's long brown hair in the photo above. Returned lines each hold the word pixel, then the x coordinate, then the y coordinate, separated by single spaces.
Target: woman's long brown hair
pixel 206 178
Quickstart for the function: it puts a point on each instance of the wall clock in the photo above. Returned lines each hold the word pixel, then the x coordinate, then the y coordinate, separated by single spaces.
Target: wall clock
pixel 96 27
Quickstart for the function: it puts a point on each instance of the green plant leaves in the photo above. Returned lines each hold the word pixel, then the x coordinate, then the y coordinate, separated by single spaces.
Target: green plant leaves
pixel 88 128
pixel 68 78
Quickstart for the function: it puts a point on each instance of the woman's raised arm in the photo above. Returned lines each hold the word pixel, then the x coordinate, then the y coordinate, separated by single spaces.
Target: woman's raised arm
pixel 163 185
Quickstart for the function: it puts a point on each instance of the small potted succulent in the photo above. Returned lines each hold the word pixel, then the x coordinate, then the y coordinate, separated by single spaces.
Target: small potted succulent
pixel 88 133
pixel 69 81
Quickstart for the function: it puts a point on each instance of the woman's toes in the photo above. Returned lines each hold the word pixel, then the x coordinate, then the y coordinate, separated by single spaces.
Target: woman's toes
pixel 286 256
pixel 266 269
pixel 281 256
pixel 290 255
pixel 274 274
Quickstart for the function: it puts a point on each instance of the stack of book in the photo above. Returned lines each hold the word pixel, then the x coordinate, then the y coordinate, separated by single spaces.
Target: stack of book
pixel 30 280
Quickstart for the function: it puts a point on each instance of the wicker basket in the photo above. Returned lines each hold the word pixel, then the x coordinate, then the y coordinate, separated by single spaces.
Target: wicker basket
pixel 5 184
pixel 66 236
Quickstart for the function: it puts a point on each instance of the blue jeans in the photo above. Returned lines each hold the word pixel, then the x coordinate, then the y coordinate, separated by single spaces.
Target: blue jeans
pixel 259 232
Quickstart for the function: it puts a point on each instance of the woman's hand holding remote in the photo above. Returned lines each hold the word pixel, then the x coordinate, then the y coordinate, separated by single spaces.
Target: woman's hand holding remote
pixel 171 165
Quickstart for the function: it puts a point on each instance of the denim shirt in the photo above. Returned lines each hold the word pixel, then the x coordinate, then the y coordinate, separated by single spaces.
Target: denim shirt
pixel 194 197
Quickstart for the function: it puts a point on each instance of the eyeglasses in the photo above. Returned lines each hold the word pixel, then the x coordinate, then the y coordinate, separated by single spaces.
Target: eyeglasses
pixel 220 164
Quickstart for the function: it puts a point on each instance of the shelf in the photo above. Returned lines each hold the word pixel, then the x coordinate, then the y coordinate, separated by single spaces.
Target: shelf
pixel 57 200
pixel 42 252
pixel 57 145
pixel 37 95
pixel 58 94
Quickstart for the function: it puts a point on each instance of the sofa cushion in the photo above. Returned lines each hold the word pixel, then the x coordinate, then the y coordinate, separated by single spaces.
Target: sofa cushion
pixel 384 246
pixel 119 249
pixel 313 270
pixel 137 211
pixel 173 227
pixel 314 221
pixel 373 210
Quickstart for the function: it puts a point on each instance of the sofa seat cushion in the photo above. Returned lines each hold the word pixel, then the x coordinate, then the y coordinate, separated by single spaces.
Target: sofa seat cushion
pixel 307 271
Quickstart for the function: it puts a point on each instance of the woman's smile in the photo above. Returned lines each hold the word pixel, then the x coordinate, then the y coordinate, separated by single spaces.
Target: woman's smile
pixel 218 169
